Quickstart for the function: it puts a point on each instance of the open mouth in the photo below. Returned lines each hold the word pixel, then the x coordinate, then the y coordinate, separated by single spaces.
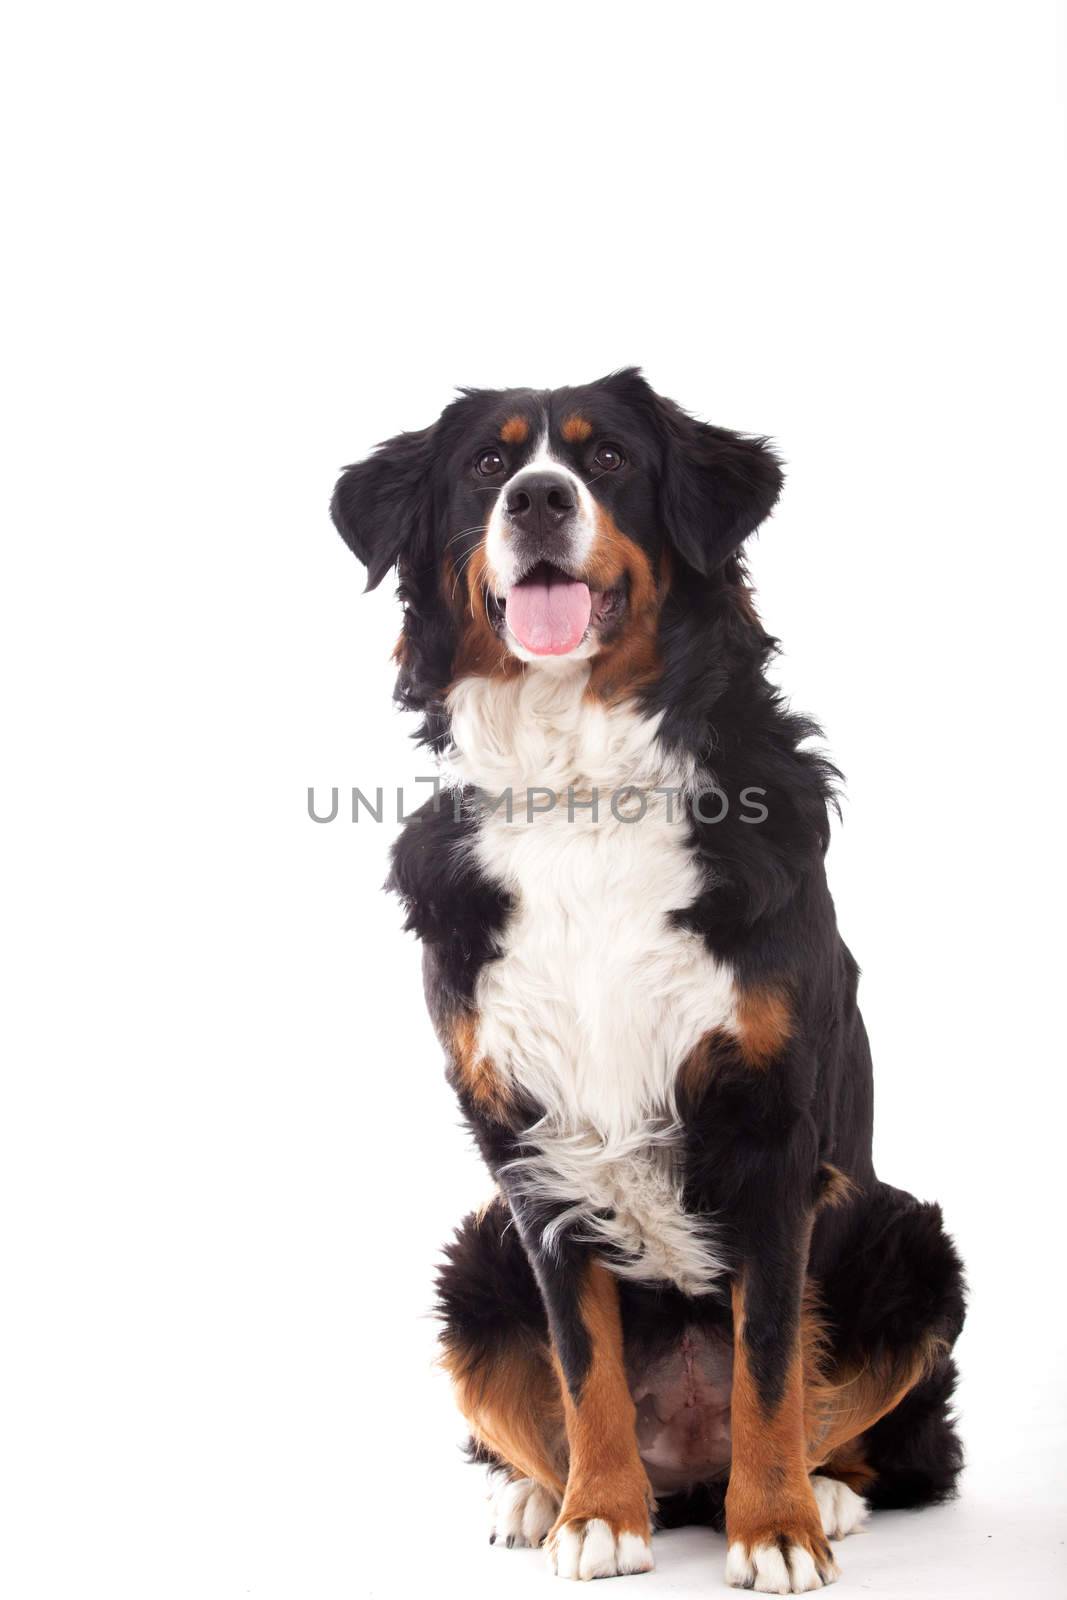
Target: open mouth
pixel 550 612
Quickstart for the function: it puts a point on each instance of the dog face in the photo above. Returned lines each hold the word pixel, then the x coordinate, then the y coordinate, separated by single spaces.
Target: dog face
pixel 545 527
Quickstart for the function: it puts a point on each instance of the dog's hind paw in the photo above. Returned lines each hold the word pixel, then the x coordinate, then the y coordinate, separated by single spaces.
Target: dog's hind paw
pixel 841 1509
pixel 521 1511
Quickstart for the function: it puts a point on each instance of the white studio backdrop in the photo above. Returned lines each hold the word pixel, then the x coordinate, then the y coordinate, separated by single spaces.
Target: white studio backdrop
pixel 245 244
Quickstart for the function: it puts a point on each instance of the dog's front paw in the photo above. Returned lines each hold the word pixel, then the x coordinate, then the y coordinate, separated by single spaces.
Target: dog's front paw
pixel 593 1547
pixel 841 1509
pixel 784 1563
pixel 520 1511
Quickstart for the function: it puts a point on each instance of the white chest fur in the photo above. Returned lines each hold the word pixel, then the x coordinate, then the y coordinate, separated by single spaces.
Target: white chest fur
pixel 597 998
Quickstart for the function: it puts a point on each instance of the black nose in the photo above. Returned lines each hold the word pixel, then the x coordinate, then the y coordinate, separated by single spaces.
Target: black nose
pixel 540 502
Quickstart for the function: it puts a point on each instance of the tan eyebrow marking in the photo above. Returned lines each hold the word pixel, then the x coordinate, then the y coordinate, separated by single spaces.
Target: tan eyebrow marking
pixel 576 429
pixel 516 430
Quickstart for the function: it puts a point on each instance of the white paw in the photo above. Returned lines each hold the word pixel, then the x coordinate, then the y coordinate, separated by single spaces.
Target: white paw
pixel 520 1511
pixel 766 1568
pixel 592 1550
pixel 841 1509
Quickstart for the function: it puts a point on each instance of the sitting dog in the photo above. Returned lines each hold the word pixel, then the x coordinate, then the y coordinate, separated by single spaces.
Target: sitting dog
pixel 691 1298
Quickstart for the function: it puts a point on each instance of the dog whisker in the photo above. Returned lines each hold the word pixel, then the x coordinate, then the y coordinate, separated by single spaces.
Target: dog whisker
pixel 462 567
pixel 464 533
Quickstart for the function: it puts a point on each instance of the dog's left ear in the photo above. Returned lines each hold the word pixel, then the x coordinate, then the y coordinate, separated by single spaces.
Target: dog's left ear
pixel 716 486
pixel 381 506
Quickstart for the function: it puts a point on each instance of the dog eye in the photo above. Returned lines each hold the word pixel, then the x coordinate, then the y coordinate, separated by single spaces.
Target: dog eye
pixel 489 463
pixel 608 458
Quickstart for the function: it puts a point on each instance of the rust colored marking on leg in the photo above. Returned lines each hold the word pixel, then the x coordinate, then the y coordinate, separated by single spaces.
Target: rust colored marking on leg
pixel 607 1478
pixel 842 1401
pixel 849 1465
pixel 762 1028
pixel 769 1502
pixel 513 1407
pixel 837 1187
pixel 845 1402
pixel 764 1024
pixel 473 1073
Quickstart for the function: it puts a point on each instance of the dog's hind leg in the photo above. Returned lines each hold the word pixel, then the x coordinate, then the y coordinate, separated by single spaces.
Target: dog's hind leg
pixel 881 1378
pixel 495 1348
pixel 915 1452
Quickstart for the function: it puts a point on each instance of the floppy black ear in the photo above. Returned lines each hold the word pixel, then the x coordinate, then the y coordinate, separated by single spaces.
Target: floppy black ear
pixel 381 506
pixel 716 488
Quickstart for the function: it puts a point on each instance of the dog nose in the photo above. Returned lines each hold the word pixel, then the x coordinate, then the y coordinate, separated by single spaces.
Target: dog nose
pixel 540 502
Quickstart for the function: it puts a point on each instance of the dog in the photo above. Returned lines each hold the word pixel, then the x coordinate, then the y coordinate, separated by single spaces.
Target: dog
pixel 691 1298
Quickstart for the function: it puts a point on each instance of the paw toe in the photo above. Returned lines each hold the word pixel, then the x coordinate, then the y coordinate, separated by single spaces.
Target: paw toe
pixel 597 1559
pixel 633 1553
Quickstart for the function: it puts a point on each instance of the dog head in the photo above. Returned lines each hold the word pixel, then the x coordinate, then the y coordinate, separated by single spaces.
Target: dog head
pixel 547 527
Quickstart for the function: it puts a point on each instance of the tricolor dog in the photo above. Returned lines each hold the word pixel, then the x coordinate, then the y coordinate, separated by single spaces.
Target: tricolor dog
pixel 692 1299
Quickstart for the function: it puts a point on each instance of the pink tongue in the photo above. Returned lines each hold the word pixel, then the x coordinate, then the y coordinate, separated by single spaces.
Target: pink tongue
pixel 548 618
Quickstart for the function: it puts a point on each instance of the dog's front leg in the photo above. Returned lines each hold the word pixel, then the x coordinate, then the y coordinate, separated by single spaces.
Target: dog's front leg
pixel 603 1528
pixel 773 1528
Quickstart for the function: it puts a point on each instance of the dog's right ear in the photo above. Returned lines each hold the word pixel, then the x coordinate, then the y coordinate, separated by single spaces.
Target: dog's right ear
pixel 381 506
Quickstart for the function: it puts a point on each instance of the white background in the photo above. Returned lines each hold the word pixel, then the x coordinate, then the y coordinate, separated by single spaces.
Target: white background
pixel 244 243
